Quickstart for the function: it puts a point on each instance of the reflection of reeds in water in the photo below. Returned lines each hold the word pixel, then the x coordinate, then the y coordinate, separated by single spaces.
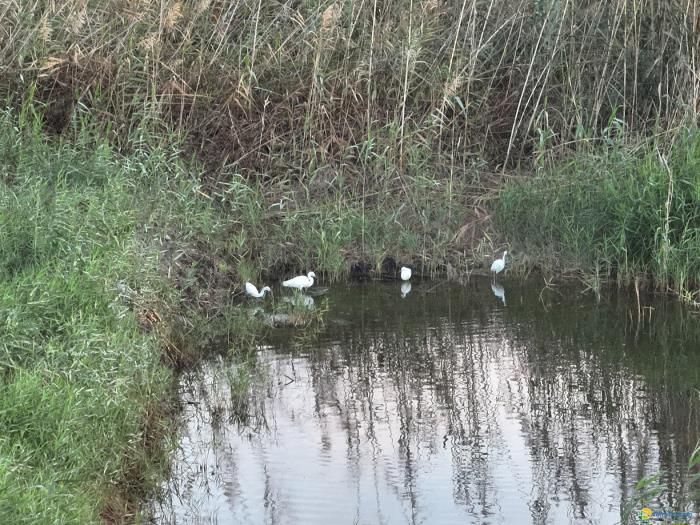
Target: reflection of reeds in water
pixel 217 400
pixel 582 407
pixel 570 405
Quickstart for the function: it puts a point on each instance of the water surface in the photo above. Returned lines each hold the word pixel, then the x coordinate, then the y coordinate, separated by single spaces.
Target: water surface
pixel 447 404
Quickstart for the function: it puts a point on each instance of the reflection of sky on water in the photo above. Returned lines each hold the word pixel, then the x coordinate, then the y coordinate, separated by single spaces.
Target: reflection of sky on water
pixel 434 410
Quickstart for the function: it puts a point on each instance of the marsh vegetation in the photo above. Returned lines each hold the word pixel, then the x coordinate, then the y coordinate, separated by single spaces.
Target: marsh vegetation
pixel 157 155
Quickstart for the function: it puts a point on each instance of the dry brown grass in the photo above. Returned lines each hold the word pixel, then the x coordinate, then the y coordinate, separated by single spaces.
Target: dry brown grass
pixel 291 88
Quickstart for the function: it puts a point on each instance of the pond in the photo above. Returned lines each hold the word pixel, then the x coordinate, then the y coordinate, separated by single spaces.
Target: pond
pixel 446 403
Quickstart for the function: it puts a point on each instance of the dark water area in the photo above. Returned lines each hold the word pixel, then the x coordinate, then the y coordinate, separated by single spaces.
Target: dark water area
pixel 445 403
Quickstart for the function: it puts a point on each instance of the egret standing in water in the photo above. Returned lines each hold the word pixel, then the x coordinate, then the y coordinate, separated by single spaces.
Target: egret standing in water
pixel 498 265
pixel 300 282
pixel 405 273
pixel 251 290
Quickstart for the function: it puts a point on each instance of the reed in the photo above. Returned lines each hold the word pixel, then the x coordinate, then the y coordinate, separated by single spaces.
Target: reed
pixel 287 91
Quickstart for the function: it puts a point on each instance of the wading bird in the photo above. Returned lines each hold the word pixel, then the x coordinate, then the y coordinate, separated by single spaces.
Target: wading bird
pixel 405 273
pixel 251 290
pixel 498 265
pixel 300 282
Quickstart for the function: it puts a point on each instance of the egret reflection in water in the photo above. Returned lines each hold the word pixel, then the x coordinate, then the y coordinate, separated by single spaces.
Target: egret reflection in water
pixel 302 300
pixel 444 409
pixel 405 289
pixel 499 292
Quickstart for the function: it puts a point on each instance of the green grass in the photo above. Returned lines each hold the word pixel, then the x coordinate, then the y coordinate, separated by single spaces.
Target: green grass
pixel 90 318
pixel 79 378
pixel 620 213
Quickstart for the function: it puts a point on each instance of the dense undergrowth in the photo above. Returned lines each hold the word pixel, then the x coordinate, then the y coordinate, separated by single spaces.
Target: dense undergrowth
pixel 81 382
pixel 633 216
pixel 290 89
pixel 338 109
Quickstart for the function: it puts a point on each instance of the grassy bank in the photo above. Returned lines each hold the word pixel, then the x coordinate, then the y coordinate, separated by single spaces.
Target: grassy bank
pixel 307 118
pixel 93 320
pixel 630 215
pixel 82 384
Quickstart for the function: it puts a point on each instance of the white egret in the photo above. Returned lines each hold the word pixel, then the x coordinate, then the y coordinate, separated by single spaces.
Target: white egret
pixel 405 273
pixel 300 282
pixel 499 292
pixel 405 289
pixel 251 290
pixel 498 265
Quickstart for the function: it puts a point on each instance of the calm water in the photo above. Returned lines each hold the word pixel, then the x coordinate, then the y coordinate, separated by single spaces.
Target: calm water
pixel 444 406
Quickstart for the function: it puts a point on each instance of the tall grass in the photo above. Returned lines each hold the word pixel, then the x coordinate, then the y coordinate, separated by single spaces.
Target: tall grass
pixel 359 86
pixel 359 104
pixel 630 215
pixel 80 382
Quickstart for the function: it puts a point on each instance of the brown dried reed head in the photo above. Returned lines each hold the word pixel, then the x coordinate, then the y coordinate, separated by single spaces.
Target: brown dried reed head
pixel 330 17
pixel 172 16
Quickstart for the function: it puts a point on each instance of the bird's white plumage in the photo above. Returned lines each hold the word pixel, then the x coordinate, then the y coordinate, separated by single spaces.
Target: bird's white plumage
pixel 405 273
pixel 251 290
pixel 499 264
pixel 300 282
